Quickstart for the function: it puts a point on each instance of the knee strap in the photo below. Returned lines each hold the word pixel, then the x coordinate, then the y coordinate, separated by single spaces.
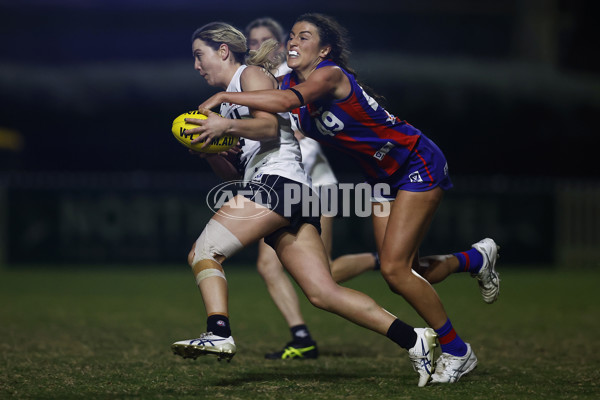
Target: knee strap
pixel 215 240
pixel 207 268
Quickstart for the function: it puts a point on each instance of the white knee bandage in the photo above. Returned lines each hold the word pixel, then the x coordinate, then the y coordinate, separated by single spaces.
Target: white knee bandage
pixel 215 240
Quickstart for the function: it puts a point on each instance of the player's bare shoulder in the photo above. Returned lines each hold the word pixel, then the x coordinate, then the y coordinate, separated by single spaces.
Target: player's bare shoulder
pixel 332 80
pixel 255 77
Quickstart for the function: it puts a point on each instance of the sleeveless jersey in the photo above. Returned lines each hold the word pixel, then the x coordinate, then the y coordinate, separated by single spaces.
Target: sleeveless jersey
pixel 357 125
pixel 313 158
pixel 316 164
pixel 279 156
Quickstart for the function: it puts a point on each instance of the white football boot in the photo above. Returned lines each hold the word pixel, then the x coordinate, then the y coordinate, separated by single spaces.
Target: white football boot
pixel 207 343
pixel 421 354
pixel 487 277
pixel 450 368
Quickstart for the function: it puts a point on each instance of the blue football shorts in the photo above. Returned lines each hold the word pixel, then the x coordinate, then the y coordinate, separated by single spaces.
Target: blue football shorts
pixel 425 169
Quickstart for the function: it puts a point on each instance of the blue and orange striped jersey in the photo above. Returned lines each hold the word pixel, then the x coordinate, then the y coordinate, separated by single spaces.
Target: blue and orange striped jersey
pixel 357 125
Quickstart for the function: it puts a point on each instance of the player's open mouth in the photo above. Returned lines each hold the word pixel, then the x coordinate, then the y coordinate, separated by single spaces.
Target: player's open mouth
pixel 293 53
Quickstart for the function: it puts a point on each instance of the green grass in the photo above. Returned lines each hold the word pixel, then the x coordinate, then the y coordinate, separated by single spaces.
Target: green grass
pixel 106 334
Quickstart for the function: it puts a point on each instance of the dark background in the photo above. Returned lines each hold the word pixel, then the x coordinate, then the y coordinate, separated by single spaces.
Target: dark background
pixel 504 87
pixel 90 173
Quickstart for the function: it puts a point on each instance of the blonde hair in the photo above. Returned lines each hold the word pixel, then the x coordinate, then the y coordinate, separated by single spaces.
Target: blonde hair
pixel 262 56
pixel 216 33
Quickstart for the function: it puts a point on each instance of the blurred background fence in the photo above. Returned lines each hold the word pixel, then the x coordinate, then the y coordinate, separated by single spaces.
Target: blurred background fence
pixel 142 218
pixel 89 172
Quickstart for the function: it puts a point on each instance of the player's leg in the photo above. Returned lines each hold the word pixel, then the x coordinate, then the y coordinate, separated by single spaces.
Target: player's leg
pixel 327 233
pixel 405 228
pixel 409 220
pixel 479 261
pixel 346 267
pixel 222 237
pixel 305 258
pixel 380 212
pixel 285 298
pixel 278 284
pixel 436 268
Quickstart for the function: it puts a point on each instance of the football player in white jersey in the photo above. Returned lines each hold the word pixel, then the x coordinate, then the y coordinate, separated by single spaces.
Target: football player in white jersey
pixel 219 50
pixel 316 164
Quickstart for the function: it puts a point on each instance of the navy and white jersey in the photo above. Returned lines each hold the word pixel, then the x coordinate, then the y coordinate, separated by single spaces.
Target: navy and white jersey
pixel 278 156
pixel 282 70
pixel 313 158
pixel 316 164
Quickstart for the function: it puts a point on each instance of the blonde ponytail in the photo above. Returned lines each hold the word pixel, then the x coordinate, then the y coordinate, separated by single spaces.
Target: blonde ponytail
pixel 262 57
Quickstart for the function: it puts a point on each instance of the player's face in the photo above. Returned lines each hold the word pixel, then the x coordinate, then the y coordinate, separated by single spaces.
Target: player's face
pixel 257 36
pixel 304 47
pixel 206 62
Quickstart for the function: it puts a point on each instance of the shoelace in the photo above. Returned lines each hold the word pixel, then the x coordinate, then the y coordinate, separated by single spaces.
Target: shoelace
pixel 293 352
pixel 204 337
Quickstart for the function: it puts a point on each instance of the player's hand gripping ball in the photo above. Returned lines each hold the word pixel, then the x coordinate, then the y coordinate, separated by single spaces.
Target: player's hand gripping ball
pixel 180 127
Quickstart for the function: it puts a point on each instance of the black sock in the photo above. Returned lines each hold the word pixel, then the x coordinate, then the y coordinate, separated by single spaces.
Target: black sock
pixel 219 325
pixel 300 334
pixel 402 334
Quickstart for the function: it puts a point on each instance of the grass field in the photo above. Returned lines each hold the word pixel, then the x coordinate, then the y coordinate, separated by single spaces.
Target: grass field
pixel 105 334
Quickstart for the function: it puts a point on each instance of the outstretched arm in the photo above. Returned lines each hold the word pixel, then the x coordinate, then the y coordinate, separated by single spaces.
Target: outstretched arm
pixel 273 101
pixel 322 83
pixel 263 125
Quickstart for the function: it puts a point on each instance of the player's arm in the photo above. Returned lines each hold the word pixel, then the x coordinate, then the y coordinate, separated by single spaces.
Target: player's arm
pixel 221 166
pixel 263 125
pixel 327 82
pixel 224 163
